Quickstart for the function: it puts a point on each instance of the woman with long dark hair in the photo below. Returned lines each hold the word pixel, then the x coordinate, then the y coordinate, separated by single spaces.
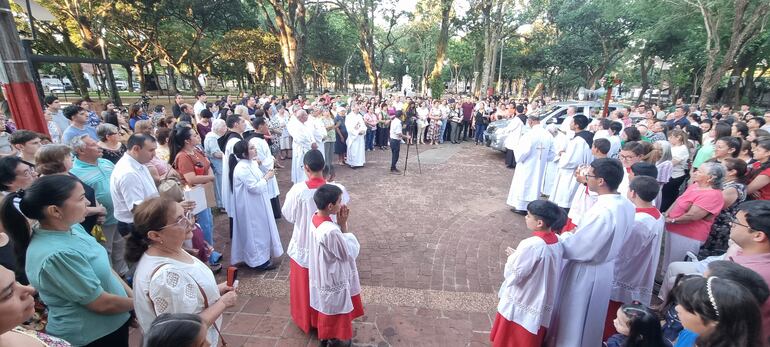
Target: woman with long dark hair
pixel 194 169
pixel 88 303
pixel 255 234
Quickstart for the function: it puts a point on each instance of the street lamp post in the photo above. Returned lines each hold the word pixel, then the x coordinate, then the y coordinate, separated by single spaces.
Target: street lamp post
pixel 379 90
pixel 110 77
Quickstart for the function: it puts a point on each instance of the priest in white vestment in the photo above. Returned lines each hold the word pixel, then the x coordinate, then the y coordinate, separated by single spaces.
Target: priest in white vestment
pixel 356 140
pixel 298 209
pixel 255 234
pixel 578 153
pixel 334 285
pixel 566 126
pixel 590 255
pixel 533 151
pixel 266 162
pixel 560 141
pixel 303 138
pixel 514 130
pixel 236 126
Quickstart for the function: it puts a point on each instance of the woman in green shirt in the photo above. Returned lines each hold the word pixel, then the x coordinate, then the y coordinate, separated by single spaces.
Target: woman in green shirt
pixel 88 303
pixel 718 131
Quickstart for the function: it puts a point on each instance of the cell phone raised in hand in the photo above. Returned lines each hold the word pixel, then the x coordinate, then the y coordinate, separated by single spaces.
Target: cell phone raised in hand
pixel 232 275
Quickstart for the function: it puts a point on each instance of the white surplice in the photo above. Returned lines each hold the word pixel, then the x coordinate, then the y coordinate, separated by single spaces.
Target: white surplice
pixel 303 138
pixel 533 151
pixel 559 144
pixel 578 153
pixel 583 200
pixel 255 234
pixel 298 209
pixel 227 194
pixel 515 129
pixel 356 140
pixel 267 162
pixel 565 127
pixel 635 269
pixel 528 293
pixel 332 269
pixel 589 262
pixel 625 183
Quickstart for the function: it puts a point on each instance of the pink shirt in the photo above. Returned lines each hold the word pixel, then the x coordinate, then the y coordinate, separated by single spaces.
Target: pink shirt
pixel 760 263
pixel 709 199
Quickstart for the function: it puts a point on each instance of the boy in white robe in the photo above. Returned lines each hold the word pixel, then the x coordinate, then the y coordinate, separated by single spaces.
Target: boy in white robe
pixel 533 151
pixel 578 153
pixel 584 198
pixel 635 269
pixel 356 127
pixel 528 293
pixel 266 163
pixel 298 208
pixel 335 291
pixel 590 255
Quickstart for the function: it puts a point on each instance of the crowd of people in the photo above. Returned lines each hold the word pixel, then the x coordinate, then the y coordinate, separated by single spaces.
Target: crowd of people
pixel 662 222
pixel 648 228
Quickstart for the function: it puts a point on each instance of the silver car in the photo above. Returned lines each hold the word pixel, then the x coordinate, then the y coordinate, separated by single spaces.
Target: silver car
pixel 553 114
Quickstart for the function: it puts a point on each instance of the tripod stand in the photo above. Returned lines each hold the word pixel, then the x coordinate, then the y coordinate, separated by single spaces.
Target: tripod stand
pixel 414 140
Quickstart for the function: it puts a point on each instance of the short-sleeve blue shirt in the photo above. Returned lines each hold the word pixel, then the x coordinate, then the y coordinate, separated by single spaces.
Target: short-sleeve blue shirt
pixel 70 270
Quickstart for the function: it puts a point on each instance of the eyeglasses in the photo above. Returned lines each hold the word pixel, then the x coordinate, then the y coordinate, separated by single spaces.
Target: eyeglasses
pixel 735 222
pixel 28 172
pixel 185 221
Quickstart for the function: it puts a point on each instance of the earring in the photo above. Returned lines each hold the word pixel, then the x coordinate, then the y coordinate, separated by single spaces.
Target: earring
pixel 161 242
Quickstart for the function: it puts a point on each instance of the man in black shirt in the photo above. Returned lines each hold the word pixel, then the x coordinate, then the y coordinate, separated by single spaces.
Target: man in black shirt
pixel 177 108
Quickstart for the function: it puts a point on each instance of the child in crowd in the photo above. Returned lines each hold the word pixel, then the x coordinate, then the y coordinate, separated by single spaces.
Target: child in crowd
pixel 528 293
pixel 637 325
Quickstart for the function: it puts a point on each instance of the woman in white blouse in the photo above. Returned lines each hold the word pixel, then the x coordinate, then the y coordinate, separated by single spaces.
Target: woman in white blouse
pixel 168 279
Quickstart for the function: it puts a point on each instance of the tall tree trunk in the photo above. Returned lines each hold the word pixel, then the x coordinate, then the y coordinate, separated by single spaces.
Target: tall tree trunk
pixel 79 81
pixel 443 39
pixel 645 64
pixel 171 80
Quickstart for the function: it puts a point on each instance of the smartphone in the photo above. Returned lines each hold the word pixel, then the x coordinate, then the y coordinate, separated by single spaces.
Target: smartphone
pixel 232 275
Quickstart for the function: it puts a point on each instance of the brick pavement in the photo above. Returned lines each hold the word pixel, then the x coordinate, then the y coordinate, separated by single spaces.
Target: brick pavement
pixel 432 253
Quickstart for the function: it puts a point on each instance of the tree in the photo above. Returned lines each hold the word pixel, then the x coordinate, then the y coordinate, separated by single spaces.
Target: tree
pixel 443 38
pixel 286 19
pixel 254 46
pixel 745 17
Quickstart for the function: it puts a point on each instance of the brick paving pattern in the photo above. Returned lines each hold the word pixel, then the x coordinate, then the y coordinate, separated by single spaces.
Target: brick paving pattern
pixel 432 253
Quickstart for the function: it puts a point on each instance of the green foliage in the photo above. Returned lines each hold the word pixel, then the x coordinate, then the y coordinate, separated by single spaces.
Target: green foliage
pixel 437 87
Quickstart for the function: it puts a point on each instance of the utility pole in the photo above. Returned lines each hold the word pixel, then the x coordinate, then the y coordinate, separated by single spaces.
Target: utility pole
pixel 16 76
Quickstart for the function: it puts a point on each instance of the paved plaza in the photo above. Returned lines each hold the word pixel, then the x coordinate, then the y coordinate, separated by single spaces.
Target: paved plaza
pixel 432 253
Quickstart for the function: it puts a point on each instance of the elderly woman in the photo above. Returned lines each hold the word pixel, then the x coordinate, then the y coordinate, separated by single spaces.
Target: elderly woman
pixel 689 220
pixel 168 279
pixel 733 193
pixel 109 142
pixel 57 160
pixel 214 154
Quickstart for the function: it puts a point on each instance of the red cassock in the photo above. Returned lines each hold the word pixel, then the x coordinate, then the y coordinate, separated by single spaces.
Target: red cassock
pixel 509 334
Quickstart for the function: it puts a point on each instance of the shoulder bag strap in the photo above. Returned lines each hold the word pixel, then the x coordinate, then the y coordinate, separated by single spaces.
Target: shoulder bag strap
pixel 205 306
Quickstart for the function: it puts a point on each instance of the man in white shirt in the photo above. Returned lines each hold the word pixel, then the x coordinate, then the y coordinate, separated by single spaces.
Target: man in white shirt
pixel 131 182
pixel 396 134
pixel 200 104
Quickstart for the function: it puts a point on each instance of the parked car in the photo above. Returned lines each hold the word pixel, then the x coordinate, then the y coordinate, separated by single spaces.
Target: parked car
pixel 553 114
pixel 121 85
